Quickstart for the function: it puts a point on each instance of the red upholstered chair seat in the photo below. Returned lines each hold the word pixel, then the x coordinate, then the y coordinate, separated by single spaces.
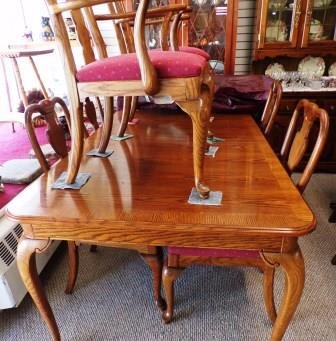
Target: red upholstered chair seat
pixel 194 50
pixel 168 64
pixel 218 253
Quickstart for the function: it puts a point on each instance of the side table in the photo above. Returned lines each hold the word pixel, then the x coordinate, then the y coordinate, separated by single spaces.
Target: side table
pixel 13 55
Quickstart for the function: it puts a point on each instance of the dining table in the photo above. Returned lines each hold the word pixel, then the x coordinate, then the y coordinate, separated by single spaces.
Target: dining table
pixel 139 195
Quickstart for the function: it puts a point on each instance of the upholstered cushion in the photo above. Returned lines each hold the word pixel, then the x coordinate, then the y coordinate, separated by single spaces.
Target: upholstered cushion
pixel 225 253
pixel 47 150
pixel 195 50
pixel 20 171
pixel 168 64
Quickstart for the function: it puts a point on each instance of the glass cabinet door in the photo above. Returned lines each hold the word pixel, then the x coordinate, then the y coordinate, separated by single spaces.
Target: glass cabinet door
pixel 279 24
pixel 152 32
pixel 320 22
pixel 206 29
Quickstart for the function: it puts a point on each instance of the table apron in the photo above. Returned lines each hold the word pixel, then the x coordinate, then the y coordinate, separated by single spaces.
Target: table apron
pixel 164 237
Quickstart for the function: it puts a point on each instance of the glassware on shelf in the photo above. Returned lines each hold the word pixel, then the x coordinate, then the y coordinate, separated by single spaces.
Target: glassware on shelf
pixel 322 24
pixel 313 66
pixel 276 31
pixel 274 70
pixel 276 5
pixel 316 30
pixel 332 70
pixel 322 3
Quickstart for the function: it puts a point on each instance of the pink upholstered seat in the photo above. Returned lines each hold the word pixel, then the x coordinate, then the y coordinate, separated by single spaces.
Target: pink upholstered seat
pixel 194 50
pixel 225 253
pixel 168 64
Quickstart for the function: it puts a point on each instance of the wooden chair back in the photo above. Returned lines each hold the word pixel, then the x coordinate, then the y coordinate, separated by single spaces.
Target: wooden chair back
pixel 271 108
pixel 296 141
pixel 168 18
pixel 88 33
pixel 55 132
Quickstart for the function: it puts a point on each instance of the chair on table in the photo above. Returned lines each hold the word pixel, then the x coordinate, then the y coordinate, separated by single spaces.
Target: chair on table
pixel 168 17
pixel 185 78
pixel 294 147
pixel 56 137
pixel 271 108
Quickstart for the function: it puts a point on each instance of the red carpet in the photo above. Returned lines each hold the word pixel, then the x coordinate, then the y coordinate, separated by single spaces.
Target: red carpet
pixel 15 146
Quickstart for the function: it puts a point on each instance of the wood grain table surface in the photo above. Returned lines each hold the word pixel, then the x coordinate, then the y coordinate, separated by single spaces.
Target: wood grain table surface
pixel 139 195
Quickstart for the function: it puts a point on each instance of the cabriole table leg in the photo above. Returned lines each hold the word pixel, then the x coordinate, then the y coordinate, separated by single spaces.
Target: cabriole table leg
pixel 27 250
pixel 293 267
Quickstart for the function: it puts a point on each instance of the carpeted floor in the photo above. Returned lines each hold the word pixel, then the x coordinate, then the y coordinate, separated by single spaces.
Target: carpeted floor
pixel 112 298
pixel 15 145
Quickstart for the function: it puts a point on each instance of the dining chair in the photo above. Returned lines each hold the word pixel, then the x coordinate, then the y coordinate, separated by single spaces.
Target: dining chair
pixel 183 77
pixel 271 108
pixel 168 18
pixel 293 149
pixel 56 137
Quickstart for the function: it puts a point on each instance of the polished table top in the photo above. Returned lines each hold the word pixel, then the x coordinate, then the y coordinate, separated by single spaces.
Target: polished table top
pixel 140 193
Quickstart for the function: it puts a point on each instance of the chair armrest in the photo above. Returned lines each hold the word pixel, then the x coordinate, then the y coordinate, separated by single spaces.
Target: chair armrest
pixel 148 73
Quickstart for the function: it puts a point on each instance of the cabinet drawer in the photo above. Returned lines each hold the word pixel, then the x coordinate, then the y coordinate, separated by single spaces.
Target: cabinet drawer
pixel 287 105
pixel 330 106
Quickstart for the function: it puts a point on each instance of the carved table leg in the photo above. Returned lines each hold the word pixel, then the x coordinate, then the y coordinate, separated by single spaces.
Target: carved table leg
pixel 107 126
pixel 27 249
pixel 155 262
pixel 73 267
pixel 293 266
pixel 169 275
pixel 268 289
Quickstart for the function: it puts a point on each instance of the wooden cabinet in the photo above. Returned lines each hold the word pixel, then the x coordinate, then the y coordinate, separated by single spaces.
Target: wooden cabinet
pixel 295 28
pixel 324 99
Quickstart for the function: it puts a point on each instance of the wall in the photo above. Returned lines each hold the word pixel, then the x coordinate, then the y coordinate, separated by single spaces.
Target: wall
pixel 245 27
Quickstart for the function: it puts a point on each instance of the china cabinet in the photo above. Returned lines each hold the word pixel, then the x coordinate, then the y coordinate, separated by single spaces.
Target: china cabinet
pixel 295 28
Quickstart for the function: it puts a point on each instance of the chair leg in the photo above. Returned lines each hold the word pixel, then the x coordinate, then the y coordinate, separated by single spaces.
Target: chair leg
pixel 169 275
pixel 333 261
pixel 100 107
pixel 199 111
pixel 125 115
pixel 77 139
pixel 73 267
pixel 133 107
pixel 155 262
pixel 90 112
pixel 107 126
pixel 268 286
pixel 93 248
pixel 332 218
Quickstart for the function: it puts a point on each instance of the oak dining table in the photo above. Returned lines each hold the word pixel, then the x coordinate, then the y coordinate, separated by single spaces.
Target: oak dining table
pixel 140 195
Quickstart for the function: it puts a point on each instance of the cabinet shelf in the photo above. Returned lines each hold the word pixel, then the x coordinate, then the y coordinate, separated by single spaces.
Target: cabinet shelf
pixel 324 8
pixel 283 10
pixel 298 24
